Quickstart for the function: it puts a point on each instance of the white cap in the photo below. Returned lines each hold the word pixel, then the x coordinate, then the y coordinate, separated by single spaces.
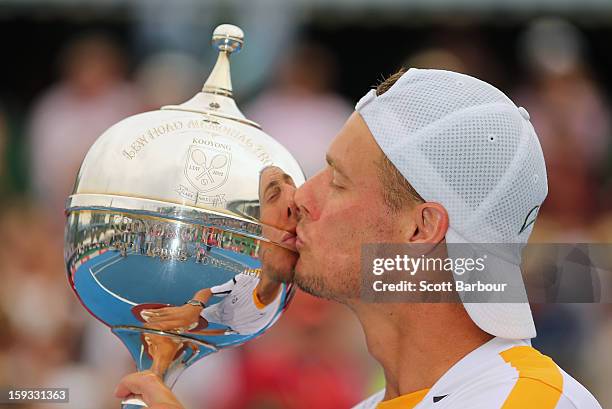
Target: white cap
pixel 464 144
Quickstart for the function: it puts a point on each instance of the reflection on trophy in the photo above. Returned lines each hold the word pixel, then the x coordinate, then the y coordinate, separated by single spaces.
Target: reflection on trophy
pixel 249 300
pixel 180 230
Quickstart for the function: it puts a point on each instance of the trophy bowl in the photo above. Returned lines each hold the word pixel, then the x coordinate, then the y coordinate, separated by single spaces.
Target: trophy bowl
pixel 180 229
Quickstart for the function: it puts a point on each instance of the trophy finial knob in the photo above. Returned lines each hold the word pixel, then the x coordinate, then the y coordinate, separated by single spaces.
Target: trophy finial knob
pixel 228 37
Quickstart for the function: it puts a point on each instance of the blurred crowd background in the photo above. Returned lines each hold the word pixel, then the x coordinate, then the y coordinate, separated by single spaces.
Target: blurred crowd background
pixel 70 69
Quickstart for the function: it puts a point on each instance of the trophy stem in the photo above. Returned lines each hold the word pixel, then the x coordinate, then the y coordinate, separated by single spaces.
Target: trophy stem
pixel 165 354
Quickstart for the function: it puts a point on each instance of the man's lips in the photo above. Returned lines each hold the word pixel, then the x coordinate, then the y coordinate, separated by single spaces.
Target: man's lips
pixel 289 240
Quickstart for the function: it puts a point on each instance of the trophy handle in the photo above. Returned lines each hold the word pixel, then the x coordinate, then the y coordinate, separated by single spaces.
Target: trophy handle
pixel 133 402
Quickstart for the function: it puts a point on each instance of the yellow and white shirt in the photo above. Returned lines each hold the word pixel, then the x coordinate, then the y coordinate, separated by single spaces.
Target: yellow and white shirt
pixel 240 307
pixel 506 374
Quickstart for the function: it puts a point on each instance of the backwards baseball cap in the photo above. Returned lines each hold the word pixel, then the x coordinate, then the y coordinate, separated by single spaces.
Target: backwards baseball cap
pixel 461 142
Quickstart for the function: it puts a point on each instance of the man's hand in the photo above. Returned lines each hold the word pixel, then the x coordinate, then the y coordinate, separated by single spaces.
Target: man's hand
pixel 172 318
pixel 150 388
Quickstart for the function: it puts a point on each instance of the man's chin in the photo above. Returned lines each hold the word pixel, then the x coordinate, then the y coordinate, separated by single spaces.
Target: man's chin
pixel 300 278
pixel 298 270
pixel 316 282
pixel 308 281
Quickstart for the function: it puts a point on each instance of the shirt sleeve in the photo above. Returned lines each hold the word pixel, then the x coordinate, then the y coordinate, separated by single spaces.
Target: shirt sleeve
pixel 224 289
pixel 586 401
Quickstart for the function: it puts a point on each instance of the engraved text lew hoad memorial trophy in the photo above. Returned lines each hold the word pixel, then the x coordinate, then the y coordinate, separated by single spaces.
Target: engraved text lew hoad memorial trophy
pixel 166 216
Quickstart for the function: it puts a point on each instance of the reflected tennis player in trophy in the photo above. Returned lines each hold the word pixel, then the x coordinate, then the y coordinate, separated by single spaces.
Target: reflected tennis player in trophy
pixel 251 300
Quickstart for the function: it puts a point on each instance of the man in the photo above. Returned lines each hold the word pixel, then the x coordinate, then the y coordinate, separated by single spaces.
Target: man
pixel 433 157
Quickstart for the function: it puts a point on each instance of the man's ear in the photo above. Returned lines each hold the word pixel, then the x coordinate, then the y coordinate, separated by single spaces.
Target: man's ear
pixel 431 220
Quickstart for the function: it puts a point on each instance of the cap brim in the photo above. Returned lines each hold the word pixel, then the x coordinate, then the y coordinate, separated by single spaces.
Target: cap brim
pixel 509 320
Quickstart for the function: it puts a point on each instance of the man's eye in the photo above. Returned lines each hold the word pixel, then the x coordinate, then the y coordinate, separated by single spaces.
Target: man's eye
pixel 333 180
pixel 335 185
pixel 273 195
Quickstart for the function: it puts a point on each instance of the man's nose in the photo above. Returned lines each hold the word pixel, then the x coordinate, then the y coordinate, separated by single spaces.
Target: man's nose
pixel 292 211
pixel 305 201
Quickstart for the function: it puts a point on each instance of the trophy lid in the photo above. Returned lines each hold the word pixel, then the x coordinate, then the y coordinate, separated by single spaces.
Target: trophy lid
pixel 217 97
pixel 203 154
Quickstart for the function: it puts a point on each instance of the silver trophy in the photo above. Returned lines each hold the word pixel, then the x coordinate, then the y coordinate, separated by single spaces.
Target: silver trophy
pixel 179 234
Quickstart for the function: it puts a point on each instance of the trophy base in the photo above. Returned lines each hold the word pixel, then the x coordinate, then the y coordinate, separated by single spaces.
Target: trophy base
pixel 133 402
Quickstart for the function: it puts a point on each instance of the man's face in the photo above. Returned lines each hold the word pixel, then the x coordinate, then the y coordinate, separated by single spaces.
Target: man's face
pixel 278 215
pixel 341 208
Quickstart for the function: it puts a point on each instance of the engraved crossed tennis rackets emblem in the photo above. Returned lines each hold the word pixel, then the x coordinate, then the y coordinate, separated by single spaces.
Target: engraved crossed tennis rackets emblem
pixel 207 168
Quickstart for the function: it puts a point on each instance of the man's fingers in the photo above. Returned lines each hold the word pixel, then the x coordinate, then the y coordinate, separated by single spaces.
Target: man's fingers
pixel 168 325
pixel 122 390
pixel 150 388
pixel 153 318
pixel 129 385
pixel 165 310
pixel 162 311
pixel 159 316
pixel 156 312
